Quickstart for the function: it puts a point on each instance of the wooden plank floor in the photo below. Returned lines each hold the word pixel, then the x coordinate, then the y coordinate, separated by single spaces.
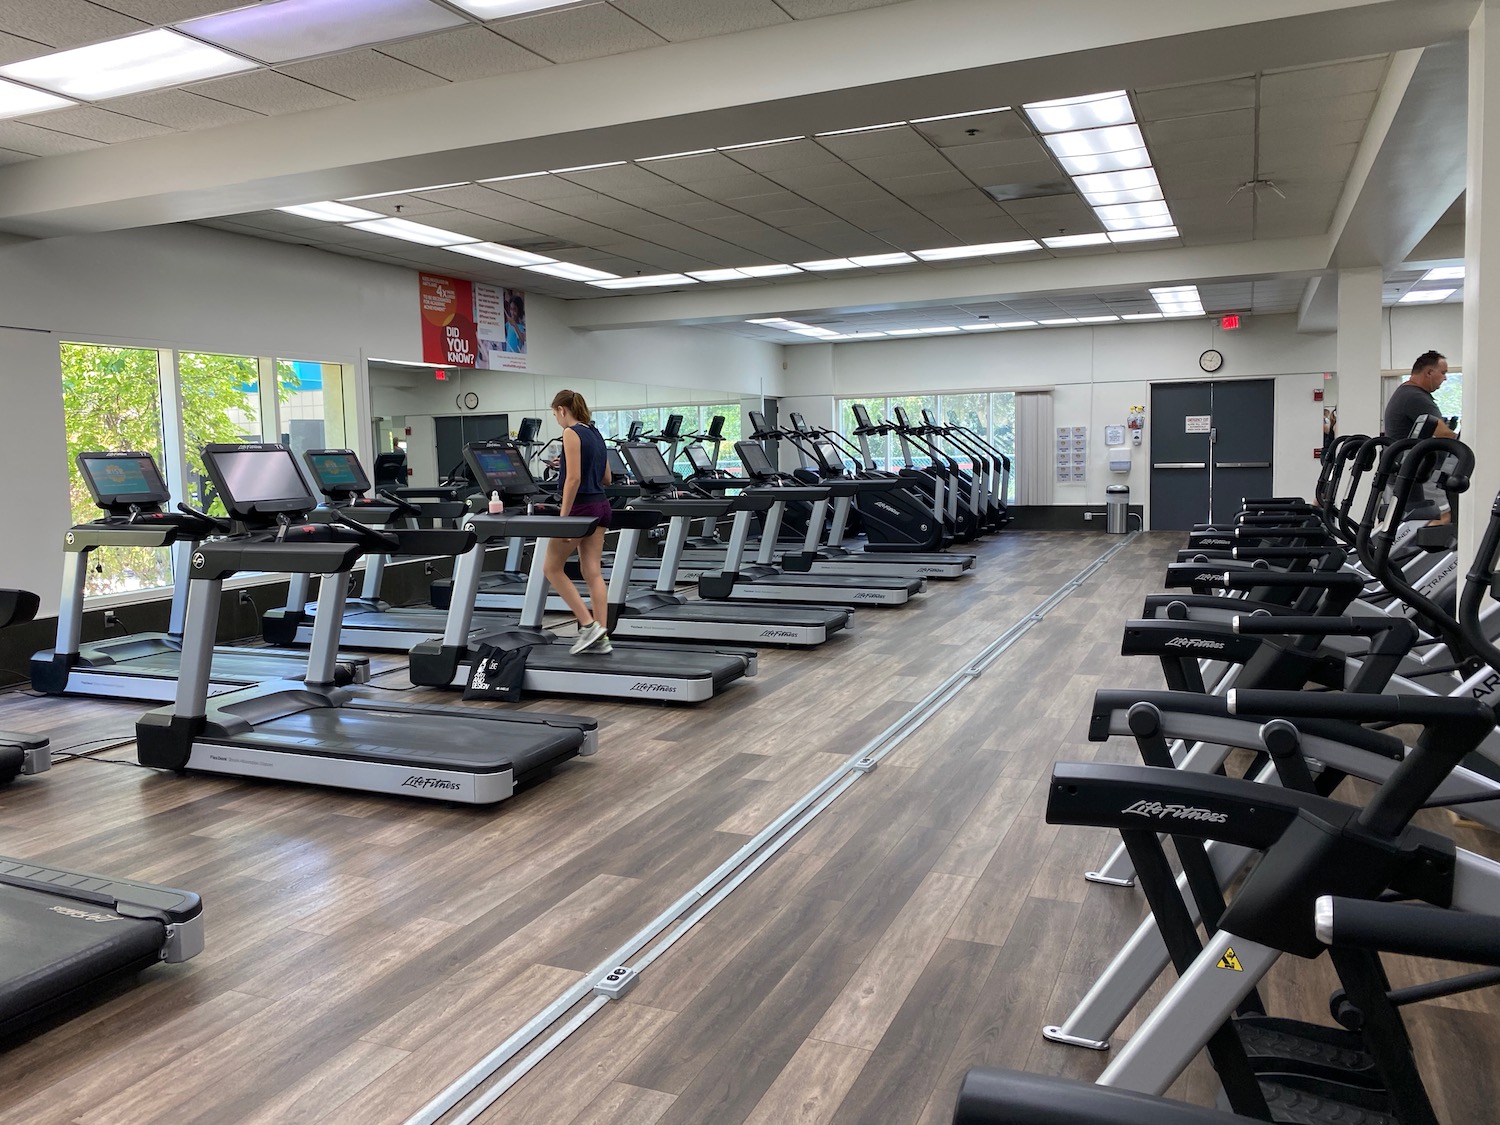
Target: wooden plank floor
pixel 363 952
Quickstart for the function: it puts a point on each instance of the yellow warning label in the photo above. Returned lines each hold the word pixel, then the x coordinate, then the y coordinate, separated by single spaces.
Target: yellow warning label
pixel 1230 961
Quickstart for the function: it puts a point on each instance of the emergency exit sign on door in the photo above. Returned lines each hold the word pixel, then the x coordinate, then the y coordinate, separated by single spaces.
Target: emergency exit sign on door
pixel 1198 423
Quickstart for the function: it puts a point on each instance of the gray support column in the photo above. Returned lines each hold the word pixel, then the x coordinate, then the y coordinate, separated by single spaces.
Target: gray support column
pixel 1481 340
pixel 671 555
pixel 1358 350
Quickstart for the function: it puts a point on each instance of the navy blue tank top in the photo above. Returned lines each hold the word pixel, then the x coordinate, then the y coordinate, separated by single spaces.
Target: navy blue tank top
pixel 592 457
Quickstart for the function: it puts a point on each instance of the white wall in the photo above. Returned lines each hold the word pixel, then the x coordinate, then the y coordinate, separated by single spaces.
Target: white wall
pixel 1411 330
pixel 34 505
pixel 1096 373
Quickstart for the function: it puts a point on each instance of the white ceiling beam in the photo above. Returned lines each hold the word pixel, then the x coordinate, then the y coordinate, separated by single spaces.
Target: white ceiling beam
pixel 1093 273
pixel 813 75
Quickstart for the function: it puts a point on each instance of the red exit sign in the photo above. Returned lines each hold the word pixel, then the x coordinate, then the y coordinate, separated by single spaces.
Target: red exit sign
pixel 1230 322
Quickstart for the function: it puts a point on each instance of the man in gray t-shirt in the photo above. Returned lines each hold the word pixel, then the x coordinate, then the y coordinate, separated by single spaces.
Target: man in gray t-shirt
pixel 1413 398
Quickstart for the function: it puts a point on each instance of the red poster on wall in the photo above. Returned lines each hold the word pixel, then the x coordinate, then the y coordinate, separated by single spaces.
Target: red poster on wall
pixel 449 334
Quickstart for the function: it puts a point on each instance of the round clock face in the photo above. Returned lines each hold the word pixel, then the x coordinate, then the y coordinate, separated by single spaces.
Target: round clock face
pixel 471 400
pixel 1211 360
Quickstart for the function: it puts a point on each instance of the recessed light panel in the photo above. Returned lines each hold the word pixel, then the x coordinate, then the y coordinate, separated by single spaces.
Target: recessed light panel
pixel 570 272
pixel 504 255
pixel 768 271
pixel 650 281
pixel 872 260
pixel 1145 235
pixel 499 9
pixel 129 65
pixel 413 232
pixel 992 249
pixel 1426 296
pixel 827 264
pixel 299 29
pixel 1068 241
pixel 1106 162
pixel 718 275
pixel 1444 273
pixel 330 212
pixel 1087 112
pixel 18 100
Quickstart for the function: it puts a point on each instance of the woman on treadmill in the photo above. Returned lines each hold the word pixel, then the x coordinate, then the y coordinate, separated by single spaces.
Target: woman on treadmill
pixel 584 471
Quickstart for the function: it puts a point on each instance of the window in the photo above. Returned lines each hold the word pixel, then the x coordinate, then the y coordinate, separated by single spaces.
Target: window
pixel 112 401
pixel 220 403
pixel 302 390
pixel 989 414
pixel 615 425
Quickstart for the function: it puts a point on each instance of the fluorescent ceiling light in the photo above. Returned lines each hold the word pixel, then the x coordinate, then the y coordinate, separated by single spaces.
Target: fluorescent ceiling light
pixel 570 272
pixel 826 264
pixel 499 9
pixel 1069 240
pixel 717 275
pixel 762 144
pixel 1143 235
pixel 404 191
pixel 772 321
pixel 946 328
pixel 674 155
pixel 298 29
pixel 768 271
pixel 1155 209
pixel 18 100
pixel 1178 300
pixel 1110 319
pixel 813 330
pixel 1059 320
pixel 1086 112
pixel 1426 296
pixel 861 335
pixel 1107 162
pixel 1096 142
pixel 955 116
pixel 979 327
pixel 330 212
pixel 413 232
pixel 1129 195
pixel 872 260
pixel 1142 316
pixel 1130 180
pixel 1018 324
pixel 948 253
pixel 650 281
pixel 505 255
pixel 517 176
pixel 904 331
pixel 128 65
pixel 861 129
pixel 1444 273
pixel 584 167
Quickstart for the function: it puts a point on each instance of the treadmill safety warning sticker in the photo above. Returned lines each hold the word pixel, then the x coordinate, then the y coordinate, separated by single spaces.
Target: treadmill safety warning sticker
pixel 1230 961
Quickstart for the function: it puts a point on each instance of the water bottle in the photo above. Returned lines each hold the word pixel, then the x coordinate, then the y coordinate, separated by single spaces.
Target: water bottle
pixel 497 505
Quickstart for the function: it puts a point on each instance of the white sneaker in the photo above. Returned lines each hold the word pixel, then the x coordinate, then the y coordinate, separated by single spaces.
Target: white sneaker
pixel 588 636
pixel 602 644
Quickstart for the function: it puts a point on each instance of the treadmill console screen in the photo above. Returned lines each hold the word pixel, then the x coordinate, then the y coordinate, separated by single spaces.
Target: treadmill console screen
pixel 673 429
pixel 337 472
pixel 648 466
pixel 699 459
pixel 528 431
pixel 500 468
pixel 257 480
pixel 119 481
pixel 616 463
pixel 861 416
pixel 829 460
pixel 754 458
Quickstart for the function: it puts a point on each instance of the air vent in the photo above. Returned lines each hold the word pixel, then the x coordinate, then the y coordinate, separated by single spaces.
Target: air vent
pixel 1005 193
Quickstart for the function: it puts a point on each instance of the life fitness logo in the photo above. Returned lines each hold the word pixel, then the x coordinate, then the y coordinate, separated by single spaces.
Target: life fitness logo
pixel 449 334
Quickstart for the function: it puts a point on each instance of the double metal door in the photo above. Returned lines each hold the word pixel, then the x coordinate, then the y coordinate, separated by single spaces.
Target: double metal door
pixel 1211 446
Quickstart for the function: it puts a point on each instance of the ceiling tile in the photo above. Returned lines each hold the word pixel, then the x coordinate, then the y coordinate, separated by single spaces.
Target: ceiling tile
pixel 998 154
pixel 681 20
pixel 924 187
pixel 64 23
pixel 1205 126
pixel 1321 82
pixel 9 156
pixel 691 169
pixel 168 11
pixel 689 212
pixel 812 9
pixel 1329 165
pixel 96 124
pixel 179 109
pixel 902 164
pixel 864 191
pixel 773 201
pixel 465 53
pixel 538 188
pixel 834 174
pixel 1195 98
pixel 1297 123
pixel 266 91
pixel 784 220
pixel 735 187
pixel 975 129
pixel 13 48
pixel 572 34
pixel 878 142
pixel 805 153
pixel 406 206
pixel 471 197
pixel 21 137
pixel 362 74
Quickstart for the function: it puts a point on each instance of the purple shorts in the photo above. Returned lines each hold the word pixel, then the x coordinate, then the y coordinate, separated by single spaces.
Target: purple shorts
pixel 592 509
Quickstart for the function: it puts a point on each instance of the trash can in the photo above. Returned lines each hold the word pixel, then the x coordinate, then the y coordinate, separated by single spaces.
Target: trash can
pixel 1117 509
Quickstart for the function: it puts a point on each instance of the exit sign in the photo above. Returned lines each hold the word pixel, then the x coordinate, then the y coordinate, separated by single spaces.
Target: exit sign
pixel 1229 322
pixel 440 375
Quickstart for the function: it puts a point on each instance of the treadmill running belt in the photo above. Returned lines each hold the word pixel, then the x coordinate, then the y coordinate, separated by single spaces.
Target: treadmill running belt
pixel 57 949
pixel 632 660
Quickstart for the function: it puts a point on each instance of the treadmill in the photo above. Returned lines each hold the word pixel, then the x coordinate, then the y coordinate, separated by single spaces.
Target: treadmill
pixel 369 622
pixel 315 732
pixel 130 489
pixel 68 933
pixel 831 558
pixel 634 670
pixel 661 614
